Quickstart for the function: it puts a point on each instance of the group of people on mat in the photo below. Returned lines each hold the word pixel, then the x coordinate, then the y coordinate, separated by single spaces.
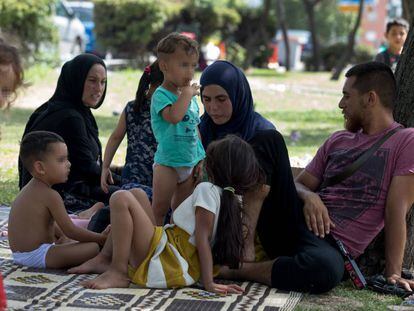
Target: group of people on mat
pixel 211 197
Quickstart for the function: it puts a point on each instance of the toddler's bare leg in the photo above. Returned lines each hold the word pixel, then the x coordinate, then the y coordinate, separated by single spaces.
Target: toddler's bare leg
pixel 163 186
pixel 69 255
pixel 184 190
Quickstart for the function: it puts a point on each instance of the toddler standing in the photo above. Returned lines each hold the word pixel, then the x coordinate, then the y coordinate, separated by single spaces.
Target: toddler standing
pixel 174 120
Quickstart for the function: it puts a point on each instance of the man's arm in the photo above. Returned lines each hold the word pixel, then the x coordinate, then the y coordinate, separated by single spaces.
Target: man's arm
pixel 315 212
pixel 399 200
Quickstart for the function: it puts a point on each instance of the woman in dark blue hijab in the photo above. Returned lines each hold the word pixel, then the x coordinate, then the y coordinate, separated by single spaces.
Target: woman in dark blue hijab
pixel 243 121
pixel 273 209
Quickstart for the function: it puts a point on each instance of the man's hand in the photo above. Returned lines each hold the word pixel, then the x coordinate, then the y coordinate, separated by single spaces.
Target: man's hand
pixel 316 215
pixel 398 280
pixel 192 90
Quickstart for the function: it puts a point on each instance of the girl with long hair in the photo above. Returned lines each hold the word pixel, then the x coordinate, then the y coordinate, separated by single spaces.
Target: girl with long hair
pixel 135 122
pixel 205 230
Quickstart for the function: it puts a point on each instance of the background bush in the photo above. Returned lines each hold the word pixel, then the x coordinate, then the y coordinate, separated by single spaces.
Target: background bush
pixel 125 27
pixel 28 24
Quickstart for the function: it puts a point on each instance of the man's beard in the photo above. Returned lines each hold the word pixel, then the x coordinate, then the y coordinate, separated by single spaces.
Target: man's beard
pixel 352 124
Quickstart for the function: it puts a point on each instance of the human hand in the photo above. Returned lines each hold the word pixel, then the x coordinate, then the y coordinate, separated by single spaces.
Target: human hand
pixel 106 176
pixel 316 215
pixel 224 288
pixel 104 235
pixel 401 282
pixel 192 90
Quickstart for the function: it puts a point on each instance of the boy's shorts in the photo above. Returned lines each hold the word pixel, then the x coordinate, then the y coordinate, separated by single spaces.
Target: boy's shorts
pixel 183 172
pixel 35 258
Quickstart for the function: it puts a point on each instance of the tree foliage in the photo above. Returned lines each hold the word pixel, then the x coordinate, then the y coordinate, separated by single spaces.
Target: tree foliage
pixel 127 26
pixel 29 22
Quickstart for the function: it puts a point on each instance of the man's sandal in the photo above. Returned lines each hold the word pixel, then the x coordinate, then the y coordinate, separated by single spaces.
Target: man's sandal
pixel 379 284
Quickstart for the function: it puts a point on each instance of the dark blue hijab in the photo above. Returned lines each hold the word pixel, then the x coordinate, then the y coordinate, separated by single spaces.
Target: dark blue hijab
pixel 244 121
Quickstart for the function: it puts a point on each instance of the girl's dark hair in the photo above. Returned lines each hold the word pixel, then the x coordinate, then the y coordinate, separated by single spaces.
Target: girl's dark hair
pixel 231 162
pixel 152 75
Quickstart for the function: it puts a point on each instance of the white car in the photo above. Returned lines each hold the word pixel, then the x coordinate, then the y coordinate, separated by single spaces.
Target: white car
pixel 72 35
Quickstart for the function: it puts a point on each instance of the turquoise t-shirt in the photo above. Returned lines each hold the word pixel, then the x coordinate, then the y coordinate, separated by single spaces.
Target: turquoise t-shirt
pixel 178 144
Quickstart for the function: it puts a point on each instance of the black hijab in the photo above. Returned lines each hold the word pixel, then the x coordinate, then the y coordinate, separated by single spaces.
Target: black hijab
pixel 67 101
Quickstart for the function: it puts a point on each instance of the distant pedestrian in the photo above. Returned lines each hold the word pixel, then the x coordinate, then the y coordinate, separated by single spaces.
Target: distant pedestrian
pixel 396 34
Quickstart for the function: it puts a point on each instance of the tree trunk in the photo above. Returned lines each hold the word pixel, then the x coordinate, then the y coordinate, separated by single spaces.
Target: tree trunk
pixel 344 60
pixel 404 114
pixel 373 259
pixel 260 35
pixel 310 9
pixel 281 16
pixel 408 10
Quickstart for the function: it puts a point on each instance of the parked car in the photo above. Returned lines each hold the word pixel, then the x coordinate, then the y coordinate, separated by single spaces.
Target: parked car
pixel 84 11
pixel 72 36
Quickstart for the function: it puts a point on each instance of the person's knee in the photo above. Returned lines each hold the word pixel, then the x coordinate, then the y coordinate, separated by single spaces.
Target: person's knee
pixel 316 271
pixel 324 270
pixel 119 199
pixel 138 193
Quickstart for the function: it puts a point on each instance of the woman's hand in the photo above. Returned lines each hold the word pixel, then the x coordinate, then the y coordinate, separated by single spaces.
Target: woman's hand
pixel 223 288
pixel 316 215
pixel 106 176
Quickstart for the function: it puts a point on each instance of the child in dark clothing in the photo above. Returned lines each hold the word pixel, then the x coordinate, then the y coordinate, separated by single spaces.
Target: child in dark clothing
pixel 396 34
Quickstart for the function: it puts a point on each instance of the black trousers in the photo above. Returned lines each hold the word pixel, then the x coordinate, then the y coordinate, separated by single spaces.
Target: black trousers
pixel 304 262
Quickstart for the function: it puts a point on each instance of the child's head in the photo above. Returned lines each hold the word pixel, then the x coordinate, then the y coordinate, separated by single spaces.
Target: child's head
pixel 232 165
pixel 178 58
pixel 396 33
pixel 11 73
pixel 44 154
pixel 151 78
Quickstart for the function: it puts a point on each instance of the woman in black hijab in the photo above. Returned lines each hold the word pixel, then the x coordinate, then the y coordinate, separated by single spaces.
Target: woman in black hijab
pixel 81 86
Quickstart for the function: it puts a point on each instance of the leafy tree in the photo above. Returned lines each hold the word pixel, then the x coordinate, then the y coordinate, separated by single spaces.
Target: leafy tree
pixel 127 26
pixel 255 30
pixel 28 22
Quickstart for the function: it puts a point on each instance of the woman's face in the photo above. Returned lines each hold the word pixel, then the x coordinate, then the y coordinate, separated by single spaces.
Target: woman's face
pixel 94 86
pixel 217 104
pixel 7 84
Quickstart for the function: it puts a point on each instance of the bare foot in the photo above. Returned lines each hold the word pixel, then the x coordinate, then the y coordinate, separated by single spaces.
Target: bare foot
pixel 91 211
pixel 110 279
pixel 98 264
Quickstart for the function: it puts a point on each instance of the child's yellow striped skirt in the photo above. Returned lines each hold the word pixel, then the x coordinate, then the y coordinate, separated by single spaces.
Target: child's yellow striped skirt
pixel 172 261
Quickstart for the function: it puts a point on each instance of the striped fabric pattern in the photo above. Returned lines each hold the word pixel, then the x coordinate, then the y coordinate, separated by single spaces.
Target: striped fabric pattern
pixel 172 261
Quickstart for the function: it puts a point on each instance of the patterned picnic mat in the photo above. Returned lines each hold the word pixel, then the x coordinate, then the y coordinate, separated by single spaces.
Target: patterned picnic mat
pixel 39 289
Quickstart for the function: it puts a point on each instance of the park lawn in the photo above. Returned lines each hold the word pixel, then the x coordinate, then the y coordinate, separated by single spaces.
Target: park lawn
pixel 299 104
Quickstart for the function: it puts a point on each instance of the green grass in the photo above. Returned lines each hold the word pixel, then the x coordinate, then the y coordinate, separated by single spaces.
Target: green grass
pixel 306 103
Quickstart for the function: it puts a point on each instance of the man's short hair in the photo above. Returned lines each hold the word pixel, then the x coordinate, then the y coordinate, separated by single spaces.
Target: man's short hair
pixel 375 76
pixel 35 145
pixel 169 44
pixel 401 22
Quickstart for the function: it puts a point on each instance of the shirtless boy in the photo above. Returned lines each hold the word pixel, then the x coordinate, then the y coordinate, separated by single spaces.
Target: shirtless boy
pixel 37 207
